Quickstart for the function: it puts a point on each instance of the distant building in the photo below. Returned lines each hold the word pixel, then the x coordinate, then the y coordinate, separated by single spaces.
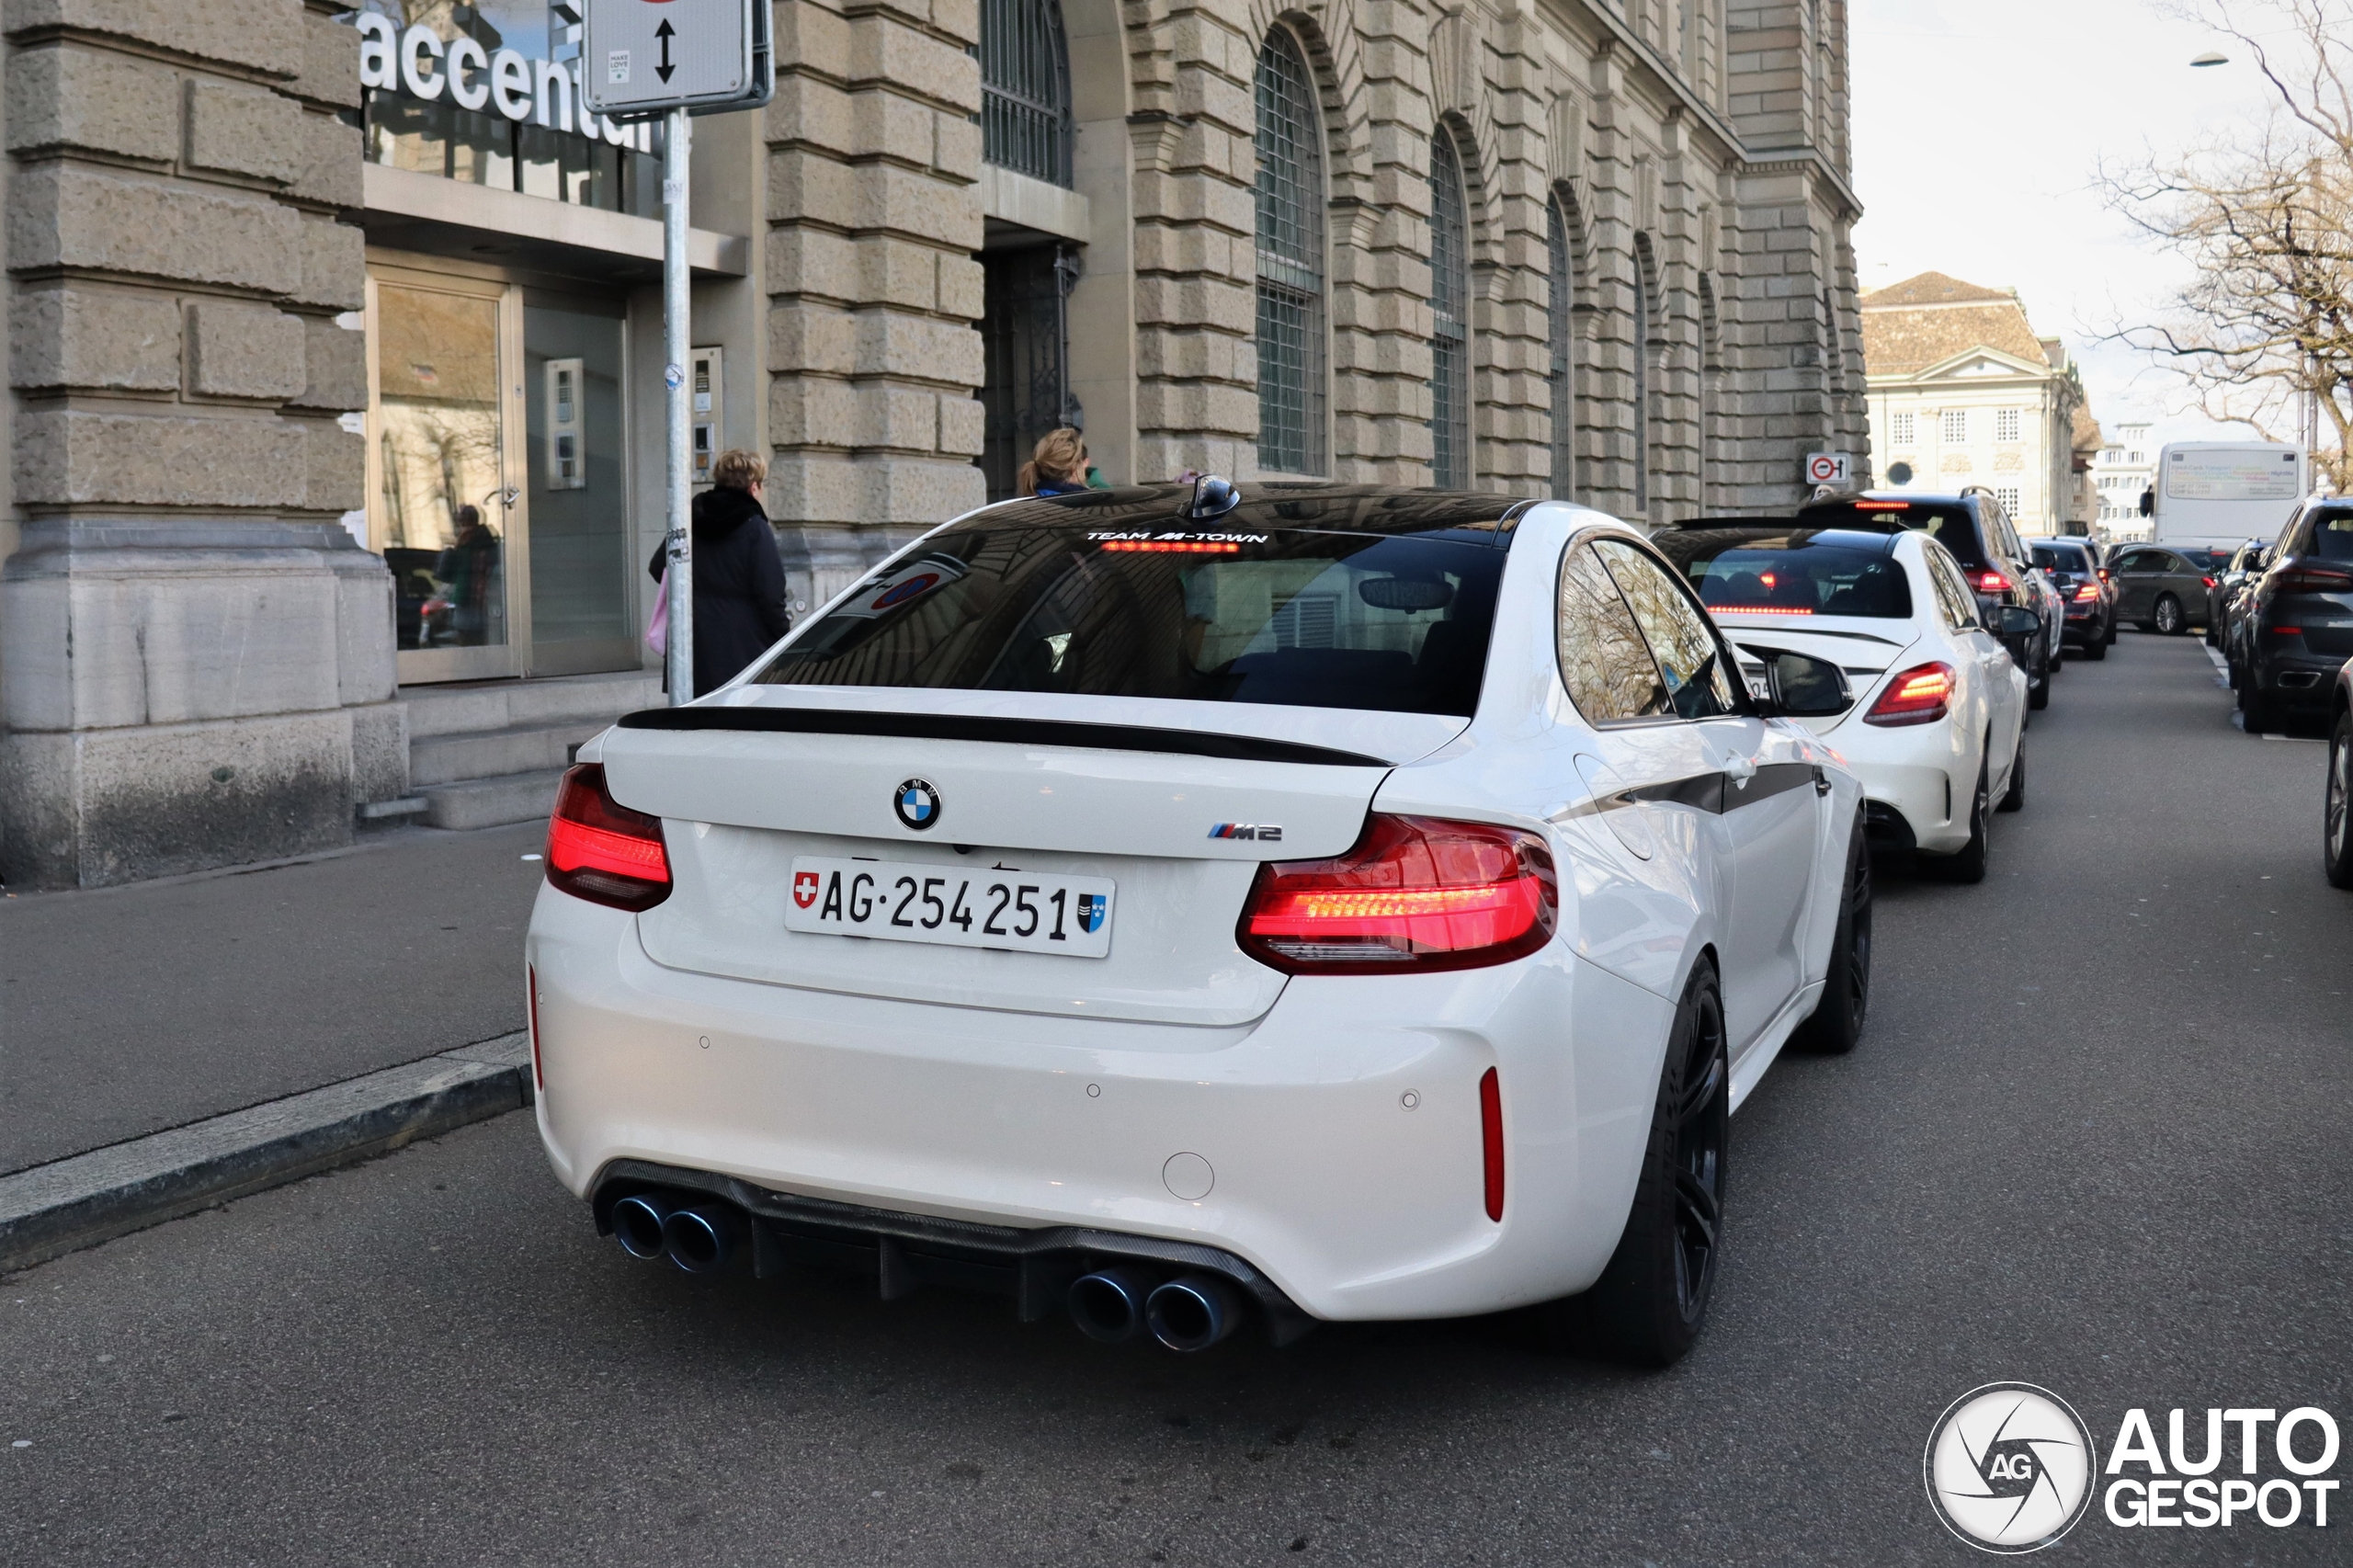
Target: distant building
pixel 1963 392
pixel 2126 466
pixel 2083 505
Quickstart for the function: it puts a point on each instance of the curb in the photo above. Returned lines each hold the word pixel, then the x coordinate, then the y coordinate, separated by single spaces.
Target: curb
pixel 83 1200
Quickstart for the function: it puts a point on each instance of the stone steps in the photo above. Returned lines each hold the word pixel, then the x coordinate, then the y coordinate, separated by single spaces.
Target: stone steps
pixel 486 753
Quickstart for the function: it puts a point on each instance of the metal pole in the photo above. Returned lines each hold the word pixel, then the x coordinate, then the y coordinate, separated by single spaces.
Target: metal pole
pixel 679 474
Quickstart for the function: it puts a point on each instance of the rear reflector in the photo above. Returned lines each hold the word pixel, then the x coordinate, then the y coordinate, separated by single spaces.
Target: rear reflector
pixel 1415 895
pixel 1921 695
pixel 601 850
pixel 531 994
pixel 1490 1141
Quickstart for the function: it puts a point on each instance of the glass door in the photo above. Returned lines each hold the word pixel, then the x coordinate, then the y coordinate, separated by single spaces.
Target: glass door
pixel 583 581
pixel 443 507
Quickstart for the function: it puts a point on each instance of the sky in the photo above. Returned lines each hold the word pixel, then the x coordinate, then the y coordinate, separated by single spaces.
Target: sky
pixel 1979 127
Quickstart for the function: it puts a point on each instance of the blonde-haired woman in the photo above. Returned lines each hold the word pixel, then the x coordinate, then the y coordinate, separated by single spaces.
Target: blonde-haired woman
pixel 739 575
pixel 1057 466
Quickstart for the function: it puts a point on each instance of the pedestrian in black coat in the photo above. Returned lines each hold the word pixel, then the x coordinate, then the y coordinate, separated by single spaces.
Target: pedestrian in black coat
pixel 739 578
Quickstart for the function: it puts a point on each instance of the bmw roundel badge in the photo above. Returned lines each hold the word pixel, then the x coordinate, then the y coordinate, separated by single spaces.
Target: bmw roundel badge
pixel 918 805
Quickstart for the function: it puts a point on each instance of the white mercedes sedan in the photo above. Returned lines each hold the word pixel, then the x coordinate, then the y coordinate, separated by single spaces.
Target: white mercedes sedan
pixel 1186 907
pixel 1938 735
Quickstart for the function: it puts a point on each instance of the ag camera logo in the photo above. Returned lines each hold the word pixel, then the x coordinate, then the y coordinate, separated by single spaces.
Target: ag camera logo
pixel 2010 1468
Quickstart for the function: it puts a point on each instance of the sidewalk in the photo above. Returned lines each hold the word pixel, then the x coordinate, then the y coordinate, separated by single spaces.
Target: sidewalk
pixel 127 1011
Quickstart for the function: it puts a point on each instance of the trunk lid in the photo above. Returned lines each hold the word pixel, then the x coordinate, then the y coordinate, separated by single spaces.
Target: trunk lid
pixel 1132 791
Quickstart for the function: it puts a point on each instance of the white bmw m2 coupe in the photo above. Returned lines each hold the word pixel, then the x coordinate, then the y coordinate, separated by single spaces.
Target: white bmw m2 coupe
pixel 1186 907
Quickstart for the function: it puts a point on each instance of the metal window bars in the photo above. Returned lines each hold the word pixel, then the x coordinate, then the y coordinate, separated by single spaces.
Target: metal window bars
pixel 1290 261
pixel 1450 312
pixel 1025 123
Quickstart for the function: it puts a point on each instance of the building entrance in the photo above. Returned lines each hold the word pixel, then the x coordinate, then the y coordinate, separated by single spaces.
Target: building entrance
pixel 1026 341
pixel 497 470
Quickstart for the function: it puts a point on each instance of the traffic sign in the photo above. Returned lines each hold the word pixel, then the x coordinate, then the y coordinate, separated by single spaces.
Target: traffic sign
pixel 1828 468
pixel 643 57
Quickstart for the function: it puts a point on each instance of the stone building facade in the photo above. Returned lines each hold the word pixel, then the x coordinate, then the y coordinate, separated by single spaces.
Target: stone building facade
pixel 335 339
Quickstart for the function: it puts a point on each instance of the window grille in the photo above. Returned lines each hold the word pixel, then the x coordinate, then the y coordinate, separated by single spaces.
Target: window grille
pixel 1955 426
pixel 1291 262
pixel 2007 496
pixel 1900 430
pixel 1025 89
pixel 2005 424
pixel 1559 322
pixel 1641 375
pixel 1450 336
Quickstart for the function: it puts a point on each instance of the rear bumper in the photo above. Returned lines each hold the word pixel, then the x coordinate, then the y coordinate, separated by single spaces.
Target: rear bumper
pixel 2299 680
pixel 1350 1203
pixel 1912 783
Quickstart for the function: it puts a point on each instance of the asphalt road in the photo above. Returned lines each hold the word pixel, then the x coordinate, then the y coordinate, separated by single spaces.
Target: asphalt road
pixel 2095 1139
pixel 127 1010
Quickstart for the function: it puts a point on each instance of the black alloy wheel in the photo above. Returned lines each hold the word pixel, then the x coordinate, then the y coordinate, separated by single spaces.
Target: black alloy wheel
pixel 2166 616
pixel 1969 864
pixel 1836 1025
pixel 1647 1308
pixel 2014 797
pixel 2333 858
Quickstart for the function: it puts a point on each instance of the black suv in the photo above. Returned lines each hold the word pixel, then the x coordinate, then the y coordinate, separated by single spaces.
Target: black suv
pixel 2089 602
pixel 1974 527
pixel 2297 628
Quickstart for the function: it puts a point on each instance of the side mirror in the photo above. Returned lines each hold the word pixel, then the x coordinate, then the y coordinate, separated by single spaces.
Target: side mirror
pixel 1799 685
pixel 2018 621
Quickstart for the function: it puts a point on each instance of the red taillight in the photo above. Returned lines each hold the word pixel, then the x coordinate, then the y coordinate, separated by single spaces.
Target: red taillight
pixel 2086 594
pixel 1992 583
pixel 601 850
pixel 2305 580
pixel 2286 630
pixel 2103 574
pixel 1490 1141
pixel 1174 546
pixel 1883 506
pixel 1921 695
pixel 1414 894
pixel 2208 581
pixel 531 998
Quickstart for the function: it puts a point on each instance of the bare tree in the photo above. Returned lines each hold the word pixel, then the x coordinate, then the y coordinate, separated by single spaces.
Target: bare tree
pixel 2264 215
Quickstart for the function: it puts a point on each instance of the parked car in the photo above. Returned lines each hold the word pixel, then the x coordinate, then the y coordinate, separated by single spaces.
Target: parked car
pixel 2158 589
pixel 1186 905
pixel 2229 577
pixel 2001 571
pixel 2088 600
pixel 2295 628
pixel 1937 735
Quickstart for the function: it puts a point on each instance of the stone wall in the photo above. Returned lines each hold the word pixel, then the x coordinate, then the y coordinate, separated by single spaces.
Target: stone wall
pixel 195 656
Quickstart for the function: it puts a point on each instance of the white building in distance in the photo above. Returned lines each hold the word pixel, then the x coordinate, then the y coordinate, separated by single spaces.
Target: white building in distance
pixel 2126 466
pixel 1963 392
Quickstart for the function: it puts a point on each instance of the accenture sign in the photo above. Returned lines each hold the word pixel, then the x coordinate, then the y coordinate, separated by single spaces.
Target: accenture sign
pixel 419 62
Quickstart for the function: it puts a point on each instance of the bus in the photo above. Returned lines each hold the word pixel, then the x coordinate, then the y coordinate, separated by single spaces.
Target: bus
pixel 2219 495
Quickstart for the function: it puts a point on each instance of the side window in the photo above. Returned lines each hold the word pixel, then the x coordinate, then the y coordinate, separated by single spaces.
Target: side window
pixel 2133 561
pixel 2333 536
pixel 1603 662
pixel 1690 658
pixel 1953 594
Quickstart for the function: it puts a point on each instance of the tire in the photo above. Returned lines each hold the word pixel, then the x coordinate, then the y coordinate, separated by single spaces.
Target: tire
pixel 2112 635
pixel 1969 864
pixel 1647 1308
pixel 2038 692
pixel 2334 829
pixel 2014 798
pixel 2096 648
pixel 2166 616
pixel 1836 1023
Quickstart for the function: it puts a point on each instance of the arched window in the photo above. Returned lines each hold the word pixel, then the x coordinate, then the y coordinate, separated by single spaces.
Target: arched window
pixel 1644 315
pixel 1290 261
pixel 1450 320
pixel 1025 89
pixel 1558 322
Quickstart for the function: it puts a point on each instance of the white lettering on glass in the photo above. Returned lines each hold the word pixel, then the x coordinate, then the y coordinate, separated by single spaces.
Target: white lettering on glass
pixel 468 91
pixel 418 45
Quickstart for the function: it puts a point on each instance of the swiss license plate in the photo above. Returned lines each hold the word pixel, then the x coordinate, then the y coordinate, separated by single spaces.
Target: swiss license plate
pixel 898 901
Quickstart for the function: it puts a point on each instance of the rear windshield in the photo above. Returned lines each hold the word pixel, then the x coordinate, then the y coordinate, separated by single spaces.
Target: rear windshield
pixel 1949 524
pixel 2333 536
pixel 1795 571
pixel 2063 558
pixel 1207 614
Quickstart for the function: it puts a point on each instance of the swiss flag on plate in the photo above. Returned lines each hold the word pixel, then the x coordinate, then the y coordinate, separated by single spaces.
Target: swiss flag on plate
pixel 804 888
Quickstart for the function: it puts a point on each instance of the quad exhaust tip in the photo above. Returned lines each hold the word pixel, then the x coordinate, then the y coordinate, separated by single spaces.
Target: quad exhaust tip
pixel 1190 1312
pixel 1108 1304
